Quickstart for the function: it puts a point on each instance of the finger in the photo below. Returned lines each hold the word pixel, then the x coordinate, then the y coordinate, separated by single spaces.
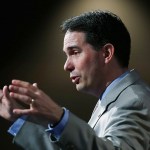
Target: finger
pixel 22 111
pixel 22 98
pixel 6 92
pixel 22 91
pixel 18 89
pixel 1 94
pixel 35 84
pixel 21 83
pixel 25 84
pixel 27 89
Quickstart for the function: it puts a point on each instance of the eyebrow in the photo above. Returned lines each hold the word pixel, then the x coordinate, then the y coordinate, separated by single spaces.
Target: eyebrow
pixel 72 47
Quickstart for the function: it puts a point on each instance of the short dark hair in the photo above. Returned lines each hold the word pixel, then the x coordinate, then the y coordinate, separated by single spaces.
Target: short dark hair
pixel 101 27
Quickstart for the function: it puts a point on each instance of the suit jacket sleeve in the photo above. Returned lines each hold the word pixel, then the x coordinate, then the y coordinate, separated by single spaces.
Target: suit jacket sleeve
pixel 77 134
pixel 32 136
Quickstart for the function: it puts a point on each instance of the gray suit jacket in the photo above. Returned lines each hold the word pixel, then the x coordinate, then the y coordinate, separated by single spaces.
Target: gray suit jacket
pixel 120 122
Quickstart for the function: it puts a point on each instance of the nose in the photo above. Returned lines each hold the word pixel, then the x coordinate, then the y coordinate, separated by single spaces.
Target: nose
pixel 68 66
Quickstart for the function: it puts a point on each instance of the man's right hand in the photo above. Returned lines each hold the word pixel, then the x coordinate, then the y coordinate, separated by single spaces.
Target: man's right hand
pixel 7 104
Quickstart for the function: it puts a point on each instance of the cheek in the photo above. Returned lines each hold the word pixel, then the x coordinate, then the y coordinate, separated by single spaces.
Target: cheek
pixel 86 62
pixel 85 67
pixel 83 64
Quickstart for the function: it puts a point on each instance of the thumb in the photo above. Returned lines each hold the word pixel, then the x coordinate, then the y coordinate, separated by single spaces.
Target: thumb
pixel 5 91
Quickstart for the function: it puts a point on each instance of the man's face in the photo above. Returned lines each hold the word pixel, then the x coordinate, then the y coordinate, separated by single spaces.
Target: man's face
pixel 84 63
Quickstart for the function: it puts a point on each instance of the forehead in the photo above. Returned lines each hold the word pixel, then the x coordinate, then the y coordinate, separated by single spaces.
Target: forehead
pixel 73 39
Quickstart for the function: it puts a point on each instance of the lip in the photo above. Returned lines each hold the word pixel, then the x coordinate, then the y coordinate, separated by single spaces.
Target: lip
pixel 75 79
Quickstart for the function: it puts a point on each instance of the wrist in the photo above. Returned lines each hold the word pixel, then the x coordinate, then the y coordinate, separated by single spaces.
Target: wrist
pixel 59 118
pixel 57 129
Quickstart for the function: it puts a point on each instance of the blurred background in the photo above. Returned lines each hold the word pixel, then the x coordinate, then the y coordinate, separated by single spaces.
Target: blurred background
pixel 31 47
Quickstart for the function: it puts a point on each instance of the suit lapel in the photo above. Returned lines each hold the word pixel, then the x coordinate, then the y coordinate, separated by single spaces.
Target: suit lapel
pixel 102 105
pixel 95 115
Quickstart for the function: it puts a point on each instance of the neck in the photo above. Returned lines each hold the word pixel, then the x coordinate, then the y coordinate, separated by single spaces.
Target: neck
pixel 112 76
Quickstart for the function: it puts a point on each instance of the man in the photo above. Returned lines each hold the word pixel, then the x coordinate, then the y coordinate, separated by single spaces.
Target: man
pixel 97 46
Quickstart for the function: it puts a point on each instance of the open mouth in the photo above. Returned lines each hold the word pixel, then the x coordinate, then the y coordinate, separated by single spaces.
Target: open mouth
pixel 75 79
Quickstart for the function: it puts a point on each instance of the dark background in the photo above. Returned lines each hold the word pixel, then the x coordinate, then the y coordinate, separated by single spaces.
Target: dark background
pixel 31 44
pixel 20 24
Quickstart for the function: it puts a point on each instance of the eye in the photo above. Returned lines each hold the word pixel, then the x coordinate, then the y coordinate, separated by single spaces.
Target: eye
pixel 75 52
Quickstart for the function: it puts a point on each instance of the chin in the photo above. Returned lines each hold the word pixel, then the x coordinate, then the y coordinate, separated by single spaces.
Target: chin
pixel 81 88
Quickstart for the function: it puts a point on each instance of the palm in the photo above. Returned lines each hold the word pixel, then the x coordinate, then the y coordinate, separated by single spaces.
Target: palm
pixel 7 104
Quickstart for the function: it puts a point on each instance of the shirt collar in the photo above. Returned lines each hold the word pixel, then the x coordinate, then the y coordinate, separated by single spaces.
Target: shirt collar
pixel 113 83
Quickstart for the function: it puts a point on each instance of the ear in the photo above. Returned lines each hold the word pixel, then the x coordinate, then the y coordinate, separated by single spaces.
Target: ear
pixel 108 52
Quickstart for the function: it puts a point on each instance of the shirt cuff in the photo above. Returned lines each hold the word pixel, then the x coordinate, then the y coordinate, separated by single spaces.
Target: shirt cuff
pixel 58 129
pixel 16 126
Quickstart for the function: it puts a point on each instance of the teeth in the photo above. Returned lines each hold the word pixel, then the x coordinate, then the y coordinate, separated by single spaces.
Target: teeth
pixel 75 80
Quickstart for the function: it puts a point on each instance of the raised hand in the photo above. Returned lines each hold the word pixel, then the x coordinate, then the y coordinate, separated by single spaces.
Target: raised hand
pixel 7 104
pixel 40 104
